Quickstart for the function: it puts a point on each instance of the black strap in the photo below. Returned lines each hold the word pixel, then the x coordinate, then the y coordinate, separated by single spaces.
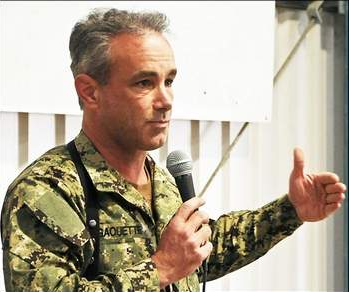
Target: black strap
pixel 92 211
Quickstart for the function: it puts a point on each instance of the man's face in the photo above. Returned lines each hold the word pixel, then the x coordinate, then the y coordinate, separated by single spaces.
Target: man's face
pixel 136 103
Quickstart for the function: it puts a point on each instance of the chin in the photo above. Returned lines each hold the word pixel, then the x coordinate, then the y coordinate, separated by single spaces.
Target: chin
pixel 155 146
pixel 156 143
pixel 155 140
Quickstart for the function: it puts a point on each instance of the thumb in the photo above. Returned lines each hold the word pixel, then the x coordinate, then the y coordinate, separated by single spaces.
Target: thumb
pixel 298 161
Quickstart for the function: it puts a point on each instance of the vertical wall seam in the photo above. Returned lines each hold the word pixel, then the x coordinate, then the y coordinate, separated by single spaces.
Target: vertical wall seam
pixel 346 148
pixel 195 149
pixel 22 139
pixel 60 129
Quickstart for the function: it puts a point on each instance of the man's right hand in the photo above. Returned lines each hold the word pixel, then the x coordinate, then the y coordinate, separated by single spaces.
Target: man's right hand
pixel 184 243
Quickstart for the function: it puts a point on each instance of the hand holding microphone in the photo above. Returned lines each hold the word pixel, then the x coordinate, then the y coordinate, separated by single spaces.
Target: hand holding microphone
pixel 184 243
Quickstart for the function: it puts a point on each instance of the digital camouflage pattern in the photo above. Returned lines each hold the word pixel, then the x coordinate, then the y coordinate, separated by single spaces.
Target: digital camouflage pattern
pixel 47 247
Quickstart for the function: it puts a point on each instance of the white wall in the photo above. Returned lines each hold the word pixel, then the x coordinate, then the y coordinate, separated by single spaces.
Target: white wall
pixel 259 166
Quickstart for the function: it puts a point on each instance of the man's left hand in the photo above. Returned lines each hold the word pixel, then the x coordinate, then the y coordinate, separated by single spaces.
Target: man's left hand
pixel 315 196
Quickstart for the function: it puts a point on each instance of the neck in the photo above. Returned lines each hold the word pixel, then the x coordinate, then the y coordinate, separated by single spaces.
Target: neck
pixel 128 162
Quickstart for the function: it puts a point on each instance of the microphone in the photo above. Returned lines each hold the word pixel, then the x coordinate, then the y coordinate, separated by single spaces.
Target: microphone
pixel 179 165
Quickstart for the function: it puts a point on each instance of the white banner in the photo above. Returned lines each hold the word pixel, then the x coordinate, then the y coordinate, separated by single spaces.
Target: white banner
pixel 224 54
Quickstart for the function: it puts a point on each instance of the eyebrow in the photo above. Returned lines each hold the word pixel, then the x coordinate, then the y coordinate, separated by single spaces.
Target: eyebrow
pixel 143 74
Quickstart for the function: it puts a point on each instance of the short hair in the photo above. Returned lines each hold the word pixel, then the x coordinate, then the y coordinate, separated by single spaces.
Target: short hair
pixel 91 37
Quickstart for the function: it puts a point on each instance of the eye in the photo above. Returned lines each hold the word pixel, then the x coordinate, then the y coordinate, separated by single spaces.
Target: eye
pixel 168 82
pixel 144 83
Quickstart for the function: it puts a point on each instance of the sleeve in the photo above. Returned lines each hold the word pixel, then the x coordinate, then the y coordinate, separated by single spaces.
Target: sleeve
pixel 46 248
pixel 240 238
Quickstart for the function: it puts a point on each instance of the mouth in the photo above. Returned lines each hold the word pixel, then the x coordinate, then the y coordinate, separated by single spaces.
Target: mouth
pixel 160 123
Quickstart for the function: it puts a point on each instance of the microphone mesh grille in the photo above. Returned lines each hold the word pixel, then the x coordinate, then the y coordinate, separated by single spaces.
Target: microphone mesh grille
pixel 178 163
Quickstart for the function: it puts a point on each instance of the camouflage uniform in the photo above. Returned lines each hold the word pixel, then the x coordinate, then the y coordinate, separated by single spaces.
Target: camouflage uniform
pixel 46 245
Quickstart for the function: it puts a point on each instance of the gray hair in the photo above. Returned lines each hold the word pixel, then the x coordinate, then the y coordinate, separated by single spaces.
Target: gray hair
pixel 90 38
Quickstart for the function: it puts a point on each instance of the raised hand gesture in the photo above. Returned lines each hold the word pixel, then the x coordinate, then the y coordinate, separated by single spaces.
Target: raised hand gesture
pixel 315 196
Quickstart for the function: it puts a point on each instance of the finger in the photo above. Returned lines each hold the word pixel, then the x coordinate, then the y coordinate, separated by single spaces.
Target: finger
pixel 330 208
pixel 202 235
pixel 335 198
pixel 335 188
pixel 197 219
pixel 205 250
pixel 188 207
pixel 327 178
pixel 298 161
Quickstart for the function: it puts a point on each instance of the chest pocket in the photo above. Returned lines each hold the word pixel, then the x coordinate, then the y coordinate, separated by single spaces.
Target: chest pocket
pixel 124 243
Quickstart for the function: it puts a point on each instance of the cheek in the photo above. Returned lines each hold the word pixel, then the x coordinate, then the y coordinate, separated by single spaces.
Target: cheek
pixel 114 105
pixel 128 108
pixel 140 110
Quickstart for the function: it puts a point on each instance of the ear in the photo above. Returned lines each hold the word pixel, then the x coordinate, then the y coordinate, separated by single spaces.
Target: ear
pixel 87 90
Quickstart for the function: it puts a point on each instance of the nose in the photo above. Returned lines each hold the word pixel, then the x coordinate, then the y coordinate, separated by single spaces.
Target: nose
pixel 163 99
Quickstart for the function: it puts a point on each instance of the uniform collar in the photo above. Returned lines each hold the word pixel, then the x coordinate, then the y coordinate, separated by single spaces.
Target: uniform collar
pixel 104 177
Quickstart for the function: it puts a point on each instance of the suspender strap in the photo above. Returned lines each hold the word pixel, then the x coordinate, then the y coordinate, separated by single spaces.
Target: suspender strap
pixel 92 215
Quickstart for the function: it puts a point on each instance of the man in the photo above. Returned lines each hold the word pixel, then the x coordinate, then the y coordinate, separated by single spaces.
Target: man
pixel 148 240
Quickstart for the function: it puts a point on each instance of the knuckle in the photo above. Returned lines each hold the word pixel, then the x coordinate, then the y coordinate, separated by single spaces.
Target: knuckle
pixel 175 224
pixel 192 243
pixel 198 256
pixel 187 205
pixel 204 216
pixel 183 234
pixel 190 203
pixel 177 221
pixel 206 231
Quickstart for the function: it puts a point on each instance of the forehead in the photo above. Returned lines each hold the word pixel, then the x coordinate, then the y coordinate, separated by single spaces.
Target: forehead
pixel 138 52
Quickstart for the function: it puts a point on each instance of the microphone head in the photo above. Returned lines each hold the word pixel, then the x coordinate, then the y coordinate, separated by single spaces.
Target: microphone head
pixel 178 163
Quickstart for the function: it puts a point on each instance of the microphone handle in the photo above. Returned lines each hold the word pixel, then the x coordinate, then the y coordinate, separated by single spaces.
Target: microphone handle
pixel 185 186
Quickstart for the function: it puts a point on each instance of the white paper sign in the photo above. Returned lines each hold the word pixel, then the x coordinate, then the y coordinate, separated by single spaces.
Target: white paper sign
pixel 224 55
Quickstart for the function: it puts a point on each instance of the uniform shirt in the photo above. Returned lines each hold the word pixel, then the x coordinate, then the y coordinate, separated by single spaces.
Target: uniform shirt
pixel 47 247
